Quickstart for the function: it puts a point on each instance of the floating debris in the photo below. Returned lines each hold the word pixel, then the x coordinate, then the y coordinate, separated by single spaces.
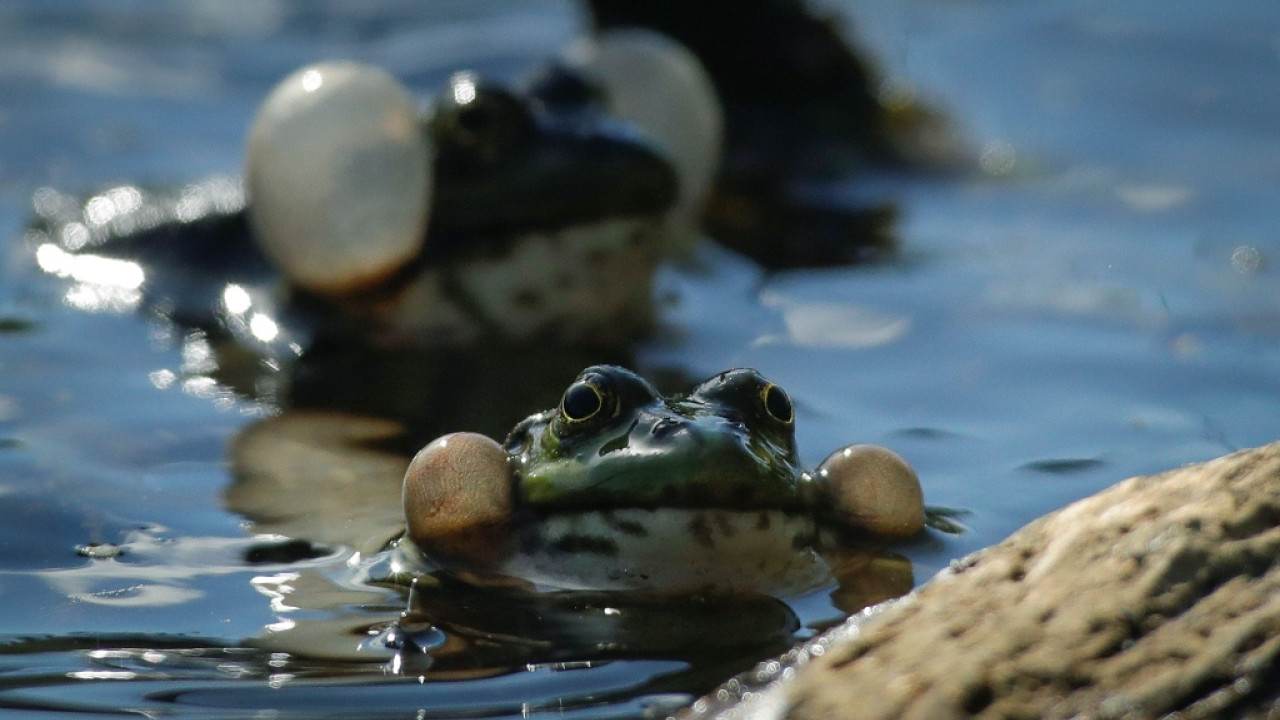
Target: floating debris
pixel 99 551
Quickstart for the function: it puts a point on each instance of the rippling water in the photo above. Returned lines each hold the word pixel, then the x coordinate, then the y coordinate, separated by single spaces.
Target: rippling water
pixel 1098 298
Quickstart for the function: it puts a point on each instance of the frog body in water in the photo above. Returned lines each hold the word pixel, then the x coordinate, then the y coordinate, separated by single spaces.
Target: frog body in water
pixel 503 211
pixel 621 488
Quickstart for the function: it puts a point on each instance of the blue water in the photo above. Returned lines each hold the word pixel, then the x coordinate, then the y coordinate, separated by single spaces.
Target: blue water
pixel 1098 297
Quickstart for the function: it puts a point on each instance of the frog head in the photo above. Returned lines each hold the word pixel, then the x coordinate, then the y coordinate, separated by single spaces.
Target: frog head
pixel 615 443
pixel 619 487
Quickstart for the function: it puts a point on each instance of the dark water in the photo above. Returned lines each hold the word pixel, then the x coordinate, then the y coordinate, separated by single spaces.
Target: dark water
pixel 1099 299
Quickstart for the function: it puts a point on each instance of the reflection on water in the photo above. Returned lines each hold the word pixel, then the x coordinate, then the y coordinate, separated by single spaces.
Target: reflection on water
pixel 102 283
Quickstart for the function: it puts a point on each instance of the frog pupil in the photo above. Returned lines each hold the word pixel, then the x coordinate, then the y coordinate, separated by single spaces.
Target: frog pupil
pixel 581 401
pixel 777 404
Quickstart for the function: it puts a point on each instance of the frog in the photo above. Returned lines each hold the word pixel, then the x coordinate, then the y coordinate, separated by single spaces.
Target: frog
pixel 621 488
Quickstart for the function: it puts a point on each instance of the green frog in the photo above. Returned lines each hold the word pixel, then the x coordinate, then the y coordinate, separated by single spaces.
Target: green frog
pixel 619 487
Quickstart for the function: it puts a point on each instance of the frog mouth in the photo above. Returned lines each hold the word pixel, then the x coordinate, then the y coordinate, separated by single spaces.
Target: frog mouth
pixel 675 550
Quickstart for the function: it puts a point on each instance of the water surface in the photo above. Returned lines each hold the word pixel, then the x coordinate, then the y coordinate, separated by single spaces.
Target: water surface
pixel 1097 298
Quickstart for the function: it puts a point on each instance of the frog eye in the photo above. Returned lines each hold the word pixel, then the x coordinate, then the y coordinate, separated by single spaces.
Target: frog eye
pixel 581 402
pixel 776 404
pixel 479 123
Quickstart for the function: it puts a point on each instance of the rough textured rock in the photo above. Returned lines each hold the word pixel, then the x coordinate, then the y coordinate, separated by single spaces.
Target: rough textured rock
pixel 1159 595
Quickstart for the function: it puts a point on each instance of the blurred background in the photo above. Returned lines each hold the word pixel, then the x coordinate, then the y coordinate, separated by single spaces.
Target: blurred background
pixel 1090 292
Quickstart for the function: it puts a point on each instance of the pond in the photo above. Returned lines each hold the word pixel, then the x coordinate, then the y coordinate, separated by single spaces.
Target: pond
pixel 1095 296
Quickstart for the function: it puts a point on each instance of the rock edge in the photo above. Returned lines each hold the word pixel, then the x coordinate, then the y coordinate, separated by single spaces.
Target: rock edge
pixel 1158 595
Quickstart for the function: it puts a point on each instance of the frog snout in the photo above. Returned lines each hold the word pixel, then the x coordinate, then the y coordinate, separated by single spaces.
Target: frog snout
pixel 713 437
pixel 668 428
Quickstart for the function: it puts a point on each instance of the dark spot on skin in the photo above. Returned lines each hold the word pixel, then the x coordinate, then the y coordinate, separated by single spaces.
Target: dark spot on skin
pixel 724 526
pixel 626 527
pixel 800 541
pixel 700 530
pixel 591 544
pixel 596 258
pixel 564 281
pixel 528 299
pixel 638 237
pixel 763 521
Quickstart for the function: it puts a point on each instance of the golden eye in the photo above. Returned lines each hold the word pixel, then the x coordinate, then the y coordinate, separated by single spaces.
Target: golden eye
pixel 582 401
pixel 777 404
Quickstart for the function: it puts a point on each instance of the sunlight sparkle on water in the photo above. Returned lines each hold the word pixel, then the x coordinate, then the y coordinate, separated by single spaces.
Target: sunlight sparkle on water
pixel 198 357
pixel 236 299
pixel 106 207
pixel 277 587
pixel 162 379
pixel 88 297
pixel 89 268
pixel 263 327
pixel 102 675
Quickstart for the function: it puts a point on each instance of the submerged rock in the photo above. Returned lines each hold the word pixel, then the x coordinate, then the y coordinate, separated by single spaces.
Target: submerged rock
pixel 1159 595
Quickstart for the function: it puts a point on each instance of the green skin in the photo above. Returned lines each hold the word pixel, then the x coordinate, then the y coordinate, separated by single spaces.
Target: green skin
pixel 615 443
